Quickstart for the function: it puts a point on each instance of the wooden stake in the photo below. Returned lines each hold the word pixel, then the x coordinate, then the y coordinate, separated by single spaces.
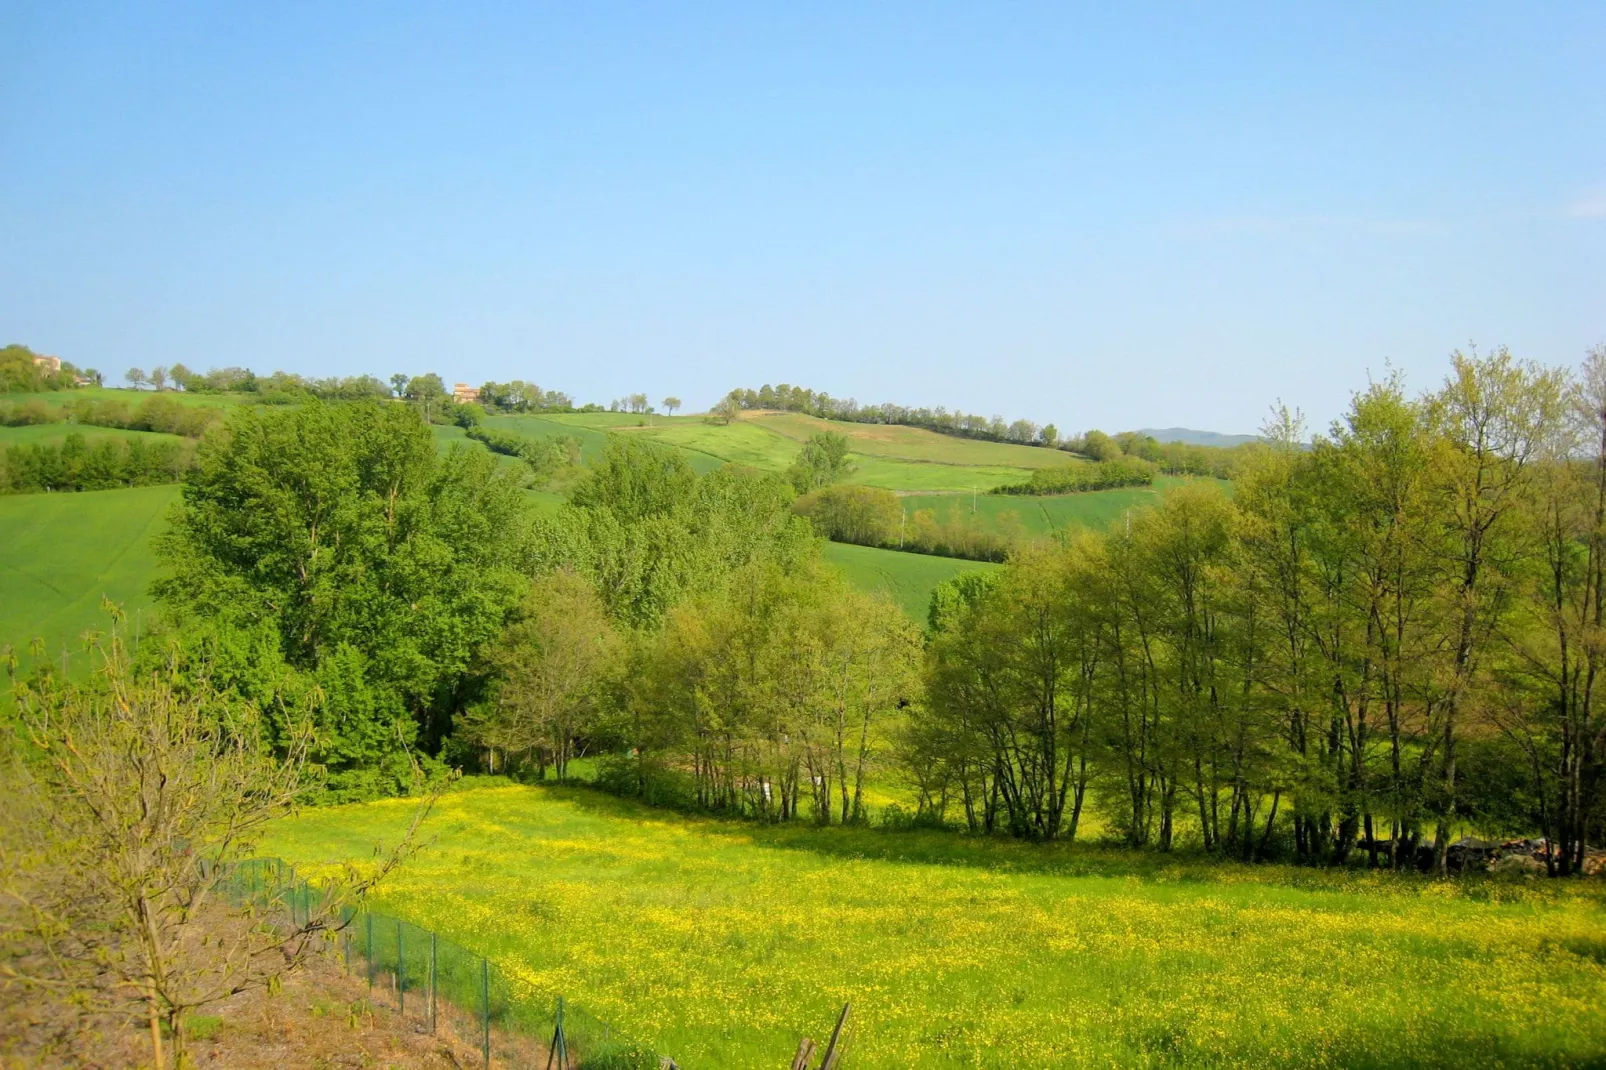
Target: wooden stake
pixel 833 1051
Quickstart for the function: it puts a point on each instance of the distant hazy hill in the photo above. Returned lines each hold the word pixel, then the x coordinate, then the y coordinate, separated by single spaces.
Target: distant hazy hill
pixel 1189 436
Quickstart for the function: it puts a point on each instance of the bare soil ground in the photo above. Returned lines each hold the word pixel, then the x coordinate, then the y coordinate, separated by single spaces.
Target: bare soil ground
pixel 320 1018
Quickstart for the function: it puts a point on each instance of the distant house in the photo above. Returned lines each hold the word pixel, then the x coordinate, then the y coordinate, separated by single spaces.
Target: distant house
pixel 462 393
pixel 49 364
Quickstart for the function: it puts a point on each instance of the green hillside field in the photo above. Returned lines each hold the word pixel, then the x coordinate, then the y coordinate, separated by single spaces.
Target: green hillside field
pixel 64 552
pixel 720 943
pixel 770 442
pixel 1047 514
pixel 58 398
pixel 913 443
pixel 55 434
pixel 908 578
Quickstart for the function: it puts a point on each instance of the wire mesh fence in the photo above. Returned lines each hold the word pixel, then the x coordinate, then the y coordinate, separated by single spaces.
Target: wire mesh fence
pixel 439 985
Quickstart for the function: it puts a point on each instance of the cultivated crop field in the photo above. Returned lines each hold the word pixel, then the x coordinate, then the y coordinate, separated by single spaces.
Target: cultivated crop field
pixel 721 943
pixel 908 578
pixel 897 458
pixel 63 552
pixel 59 398
pixel 55 434
pixel 913 443
pixel 1036 515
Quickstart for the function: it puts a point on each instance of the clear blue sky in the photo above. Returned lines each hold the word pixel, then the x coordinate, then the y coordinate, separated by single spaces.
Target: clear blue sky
pixel 1145 217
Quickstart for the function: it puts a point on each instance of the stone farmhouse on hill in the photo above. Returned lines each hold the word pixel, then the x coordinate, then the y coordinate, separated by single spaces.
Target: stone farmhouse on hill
pixel 462 393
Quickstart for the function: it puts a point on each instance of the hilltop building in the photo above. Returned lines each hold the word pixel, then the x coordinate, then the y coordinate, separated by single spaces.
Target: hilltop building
pixel 49 364
pixel 462 393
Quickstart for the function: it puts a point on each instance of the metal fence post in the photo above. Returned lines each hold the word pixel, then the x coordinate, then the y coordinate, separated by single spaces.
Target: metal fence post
pixel 401 972
pixel 485 1010
pixel 432 943
pixel 560 1041
pixel 370 918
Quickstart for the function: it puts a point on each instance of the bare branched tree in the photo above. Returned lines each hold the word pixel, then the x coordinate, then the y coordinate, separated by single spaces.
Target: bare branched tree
pixel 133 798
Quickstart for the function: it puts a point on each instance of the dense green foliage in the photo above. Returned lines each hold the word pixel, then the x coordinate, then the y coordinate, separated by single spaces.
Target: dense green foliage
pixel 331 547
pixel 1386 635
pixel 649 531
pixel 822 461
pixel 20 373
pixel 800 399
pixel 1106 475
pixel 162 413
pixel 77 464
pixel 870 516
pixel 544 456
pixel 519 396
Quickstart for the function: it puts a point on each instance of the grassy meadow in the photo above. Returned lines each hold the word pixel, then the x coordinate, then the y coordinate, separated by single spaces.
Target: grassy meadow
pixel 56 434
pixel 908 578
pixel 721 943
pixel 58 398
pixel 896 458
pixel 1039 516
pixel 913 443
pixel 63 552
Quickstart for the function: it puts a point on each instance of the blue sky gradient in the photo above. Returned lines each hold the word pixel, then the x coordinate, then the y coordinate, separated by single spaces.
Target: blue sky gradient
pixel 1103 218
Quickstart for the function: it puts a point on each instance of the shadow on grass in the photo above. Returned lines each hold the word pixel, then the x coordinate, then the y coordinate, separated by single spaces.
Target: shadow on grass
pixel 934 847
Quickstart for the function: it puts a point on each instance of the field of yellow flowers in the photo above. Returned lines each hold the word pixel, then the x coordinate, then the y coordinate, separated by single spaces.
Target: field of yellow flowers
pixel 721 943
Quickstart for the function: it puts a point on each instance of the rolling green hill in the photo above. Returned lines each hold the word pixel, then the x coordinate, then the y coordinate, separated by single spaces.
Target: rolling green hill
pixel 908 578
pixel 58 398
pixel 896 458
pixel 64 552
pixel 1041 516
pixel 55 434
pixel 912 443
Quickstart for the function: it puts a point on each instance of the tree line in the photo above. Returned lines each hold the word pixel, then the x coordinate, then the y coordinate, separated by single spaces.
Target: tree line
pixel 1172 458
pixel 162 415
pixel 544 456
pixel 76 464
pixel 1378 640
pixel 1070 479
pixel 872 516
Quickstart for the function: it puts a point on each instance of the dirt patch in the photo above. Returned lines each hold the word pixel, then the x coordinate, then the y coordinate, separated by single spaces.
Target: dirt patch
pixel 321 1017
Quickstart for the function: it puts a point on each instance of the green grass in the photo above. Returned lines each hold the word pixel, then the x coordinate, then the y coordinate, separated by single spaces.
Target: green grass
pixel 63 552
pixel 132 397
pixel 927 476
pixel 1040 516
pixel 722 943
pixel 908 578
pixel 914 443
pixel 55 434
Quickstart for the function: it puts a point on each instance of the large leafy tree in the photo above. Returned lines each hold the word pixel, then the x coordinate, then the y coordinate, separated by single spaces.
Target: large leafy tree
pixel 648 531
pixel 554 661
pixel 822 461
pixel 331 542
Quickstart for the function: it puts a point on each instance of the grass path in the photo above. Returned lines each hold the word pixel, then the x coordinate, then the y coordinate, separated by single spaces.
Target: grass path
pixel 721 943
